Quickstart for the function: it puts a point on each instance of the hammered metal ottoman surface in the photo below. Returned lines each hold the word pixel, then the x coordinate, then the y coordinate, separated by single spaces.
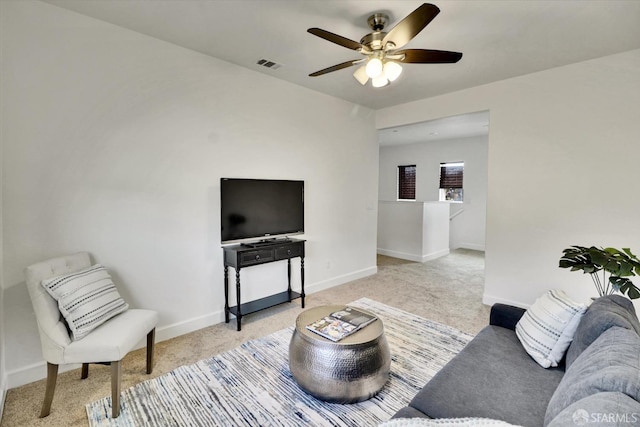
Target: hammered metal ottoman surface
pixel 350 370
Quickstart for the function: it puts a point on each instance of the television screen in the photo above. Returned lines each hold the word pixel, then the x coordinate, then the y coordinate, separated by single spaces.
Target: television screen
pixel 260 208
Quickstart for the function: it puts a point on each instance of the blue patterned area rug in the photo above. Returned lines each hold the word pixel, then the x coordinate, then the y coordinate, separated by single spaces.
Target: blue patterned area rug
pixel 252 386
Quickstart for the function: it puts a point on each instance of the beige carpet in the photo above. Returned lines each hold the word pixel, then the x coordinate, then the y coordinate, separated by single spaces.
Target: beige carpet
pixel 447 290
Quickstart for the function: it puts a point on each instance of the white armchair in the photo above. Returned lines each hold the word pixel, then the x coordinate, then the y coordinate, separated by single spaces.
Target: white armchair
pixel 108 343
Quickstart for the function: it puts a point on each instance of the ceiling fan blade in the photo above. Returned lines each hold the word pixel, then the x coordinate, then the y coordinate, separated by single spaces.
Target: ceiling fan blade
pixel 339 40
pixel 411 25
pixel 428 56
pixel 335 68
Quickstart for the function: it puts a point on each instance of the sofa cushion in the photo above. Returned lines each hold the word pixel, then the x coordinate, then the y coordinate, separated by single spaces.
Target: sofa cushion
pixel 610 363
pixel 409 412
pixel 547 328
pixel 611 409
pixel 86 299
pixel 604 313
pixel 490 371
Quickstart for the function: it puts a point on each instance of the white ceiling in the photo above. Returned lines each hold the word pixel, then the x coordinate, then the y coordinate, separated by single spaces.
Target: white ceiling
pixel 462 126
pixel 499 39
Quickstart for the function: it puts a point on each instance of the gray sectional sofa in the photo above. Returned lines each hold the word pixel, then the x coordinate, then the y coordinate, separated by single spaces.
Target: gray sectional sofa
pixel 598 382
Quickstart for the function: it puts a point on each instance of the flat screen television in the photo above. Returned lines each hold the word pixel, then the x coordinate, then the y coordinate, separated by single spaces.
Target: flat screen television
pixel 260 209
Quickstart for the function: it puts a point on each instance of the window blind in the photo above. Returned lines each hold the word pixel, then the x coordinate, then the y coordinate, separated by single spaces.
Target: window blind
pixel 451 175
pixel 407 182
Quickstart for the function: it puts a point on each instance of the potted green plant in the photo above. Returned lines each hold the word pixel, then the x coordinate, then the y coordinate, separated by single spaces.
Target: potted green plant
pixel 609 268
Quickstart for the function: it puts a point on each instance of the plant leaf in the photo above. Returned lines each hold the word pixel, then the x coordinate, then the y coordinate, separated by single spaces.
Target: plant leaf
pixel 633 292
pixel 598 256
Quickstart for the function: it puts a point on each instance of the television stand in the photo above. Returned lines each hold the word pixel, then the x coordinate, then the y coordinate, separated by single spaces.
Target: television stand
pixel 266 242
pixel 241 256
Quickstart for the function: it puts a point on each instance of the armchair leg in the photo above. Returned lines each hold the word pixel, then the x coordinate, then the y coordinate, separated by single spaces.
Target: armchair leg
pixel 85 371
pixel 116 376
pixel 52 377
pixel 151 337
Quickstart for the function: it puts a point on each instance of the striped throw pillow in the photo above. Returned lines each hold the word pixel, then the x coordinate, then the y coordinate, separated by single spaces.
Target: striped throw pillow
pixel 547 328
pixel 86 299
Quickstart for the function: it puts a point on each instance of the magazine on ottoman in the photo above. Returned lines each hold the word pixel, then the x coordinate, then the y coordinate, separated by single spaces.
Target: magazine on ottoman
pixel 341 323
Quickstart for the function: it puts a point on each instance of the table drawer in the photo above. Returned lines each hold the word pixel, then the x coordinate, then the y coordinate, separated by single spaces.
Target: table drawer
pixel 289 251
pixel 256 257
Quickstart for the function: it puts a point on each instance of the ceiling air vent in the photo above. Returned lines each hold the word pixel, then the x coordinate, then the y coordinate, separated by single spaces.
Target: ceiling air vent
pixel 269 64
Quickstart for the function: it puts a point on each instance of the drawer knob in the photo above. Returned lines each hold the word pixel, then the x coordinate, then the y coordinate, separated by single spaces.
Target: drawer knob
pixel 257 257
pixel 288 251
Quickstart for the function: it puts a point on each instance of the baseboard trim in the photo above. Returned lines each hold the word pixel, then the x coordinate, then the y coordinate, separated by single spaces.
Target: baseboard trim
pixel 472 246
pixel 190 325
pixel 34 372
pixel 339 280
pixel 413 257
pixel 434 255
pixel 38 371
pixel 492 299
pixel 400 255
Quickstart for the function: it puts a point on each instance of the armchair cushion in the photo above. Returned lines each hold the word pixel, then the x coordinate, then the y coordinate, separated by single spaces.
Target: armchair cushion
pixel 113 339
pixel 86 299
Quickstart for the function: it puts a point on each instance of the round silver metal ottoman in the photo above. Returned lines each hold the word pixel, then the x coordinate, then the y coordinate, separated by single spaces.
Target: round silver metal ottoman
pixel 350 370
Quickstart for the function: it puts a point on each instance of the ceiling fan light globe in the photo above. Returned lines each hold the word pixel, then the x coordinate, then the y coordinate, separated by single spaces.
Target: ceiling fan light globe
pixel 392 70
pixel 361 75
pixel 379 81
pixel 374 68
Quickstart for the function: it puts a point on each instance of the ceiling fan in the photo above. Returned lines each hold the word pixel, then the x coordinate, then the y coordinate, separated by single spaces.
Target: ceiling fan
pixel 382 57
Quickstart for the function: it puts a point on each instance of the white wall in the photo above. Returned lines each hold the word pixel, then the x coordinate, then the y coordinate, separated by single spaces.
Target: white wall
pixel 417 231
pixel 114 142
pixel 562 168
pixel 467 230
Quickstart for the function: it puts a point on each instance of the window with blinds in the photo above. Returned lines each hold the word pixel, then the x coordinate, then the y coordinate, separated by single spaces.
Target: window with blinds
pixel 451 180
pixel 407 182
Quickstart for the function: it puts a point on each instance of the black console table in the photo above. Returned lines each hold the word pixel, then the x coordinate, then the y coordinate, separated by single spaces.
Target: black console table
pixel 240 256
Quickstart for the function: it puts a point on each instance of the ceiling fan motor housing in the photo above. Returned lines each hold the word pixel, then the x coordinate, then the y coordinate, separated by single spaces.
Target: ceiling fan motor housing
pixel 377 21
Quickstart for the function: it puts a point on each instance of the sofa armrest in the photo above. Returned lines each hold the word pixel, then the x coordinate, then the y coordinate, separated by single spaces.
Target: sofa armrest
pixel 505 315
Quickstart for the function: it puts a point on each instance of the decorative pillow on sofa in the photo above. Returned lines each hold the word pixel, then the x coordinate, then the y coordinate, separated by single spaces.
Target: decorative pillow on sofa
pixel 86 299
pixel 604 313
pixel 610 364
pixel 607 408
pixel 547 328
